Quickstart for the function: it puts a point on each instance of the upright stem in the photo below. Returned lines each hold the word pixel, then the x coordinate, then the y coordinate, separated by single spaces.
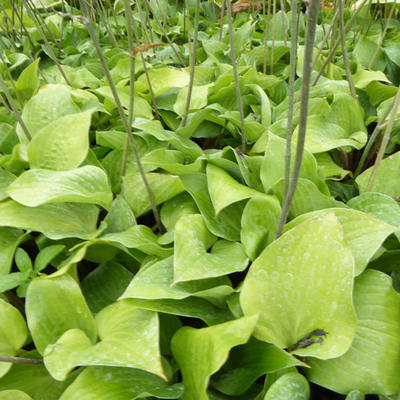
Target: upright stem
pixel 312 11
pixel 292 77
pixel 382 37
pixel 192 62
pixel 371 141
pixel 128 16
pixel 344 51
pixel 16 112
pixel 273 37
pixel 236 77
pixel 128 128
pixel 385 141
pixel 221 20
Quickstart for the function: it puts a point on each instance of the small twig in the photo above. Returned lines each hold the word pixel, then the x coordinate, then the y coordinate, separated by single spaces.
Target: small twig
pixel 20 360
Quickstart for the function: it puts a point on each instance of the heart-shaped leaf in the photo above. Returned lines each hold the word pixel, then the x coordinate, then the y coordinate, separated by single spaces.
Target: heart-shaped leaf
pixel 13 335
pixel 377 338
pixel 129 337
pixel 87 184
pixel 119 384
pixel 301 285
pixel 201 352
pixel 55 305
pixel 191 259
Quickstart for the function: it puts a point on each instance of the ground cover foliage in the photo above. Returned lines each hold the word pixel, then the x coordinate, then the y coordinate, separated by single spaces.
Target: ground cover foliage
pixel 149 247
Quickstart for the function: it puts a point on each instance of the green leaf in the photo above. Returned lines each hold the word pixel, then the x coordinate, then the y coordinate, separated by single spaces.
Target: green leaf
pixel 190 307
pixel 363 77
pixel 386 179
pixel 49 104
pixel 141 108
pixel 6 178
pixel 355 395
pixel 302 282
pixel 289 386
pixel 175 208
pixel 191 259
pixel 105 284
pixel 377 338
pixel 363 233
pixel 28 81
pixel 104 383
pixel 61 145
pixel 87 184
pixel 259 222
pixel 265 104
pixel 227 223
pixel 307 198
pixel 201 352
pixel 55 305
pixel 248 362
pixel 46 255
pixel 10 238
pixel 378 205
pixel 120 218
pixel 197 101
pixel 156 281
pixel 129 337
pixel 13 333
pixel 273 165
pixel 139 237
pixel 163 186
pixel 23 261
pixel 56 221
pixel 11 281
pixel 162 80
pixel 14 395
pixel 224 190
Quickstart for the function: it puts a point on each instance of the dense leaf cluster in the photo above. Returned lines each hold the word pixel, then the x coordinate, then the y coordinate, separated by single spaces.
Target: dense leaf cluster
pixel 98 301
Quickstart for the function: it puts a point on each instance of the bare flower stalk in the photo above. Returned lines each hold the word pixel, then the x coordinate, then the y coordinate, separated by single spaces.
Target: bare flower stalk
pixel 337 43
pixel 312 12
pixel 292 77
pixel 47 44
pixel 128 128
pixel 192 62
pixel 236 76
pixel 385 141
pixel 383 35
pixel 344 51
